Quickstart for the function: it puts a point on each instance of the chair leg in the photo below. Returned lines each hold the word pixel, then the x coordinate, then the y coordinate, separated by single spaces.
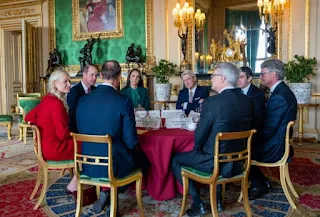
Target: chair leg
pixel 246 204
pixel 62 172
pixel 240 196
pixel 287 175
pixel 113 201
pixel 138 195
pixel 285 187
pixel 71 172
pixel 213 200
pixel 98 189
pixel 36 187
pixel 185 183
pixel 25 135
pixel 79 199
pixel 9 131
pixel 20 133
pixel 223 192
pixel 44 188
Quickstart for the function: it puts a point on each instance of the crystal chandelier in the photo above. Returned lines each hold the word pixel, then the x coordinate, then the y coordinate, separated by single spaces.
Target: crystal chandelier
pixel 182 16
pixel 271 10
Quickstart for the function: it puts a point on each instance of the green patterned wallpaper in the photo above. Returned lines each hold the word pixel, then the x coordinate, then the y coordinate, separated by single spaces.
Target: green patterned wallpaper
pixel 116 48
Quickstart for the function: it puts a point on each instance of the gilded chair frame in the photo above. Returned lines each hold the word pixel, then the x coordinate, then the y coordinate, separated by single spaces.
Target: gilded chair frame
pixel 283 168
pixel 7 124
pixel 43 167
pixel 215 179
pixel 23 126
pixel 110 181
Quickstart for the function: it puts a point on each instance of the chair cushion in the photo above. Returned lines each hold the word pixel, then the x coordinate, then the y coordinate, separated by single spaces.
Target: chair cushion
pixel 105 180
pixel 60 162
pixel 5 118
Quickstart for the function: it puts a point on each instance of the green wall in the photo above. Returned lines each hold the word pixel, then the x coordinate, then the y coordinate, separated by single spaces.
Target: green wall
pixel 116 48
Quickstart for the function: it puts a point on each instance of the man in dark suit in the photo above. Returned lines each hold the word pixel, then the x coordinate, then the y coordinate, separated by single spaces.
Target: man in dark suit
pixel 107 111
pixel 228 111
pixel 192 96
pixel 249 89
pixel 280 109
pixel 86 85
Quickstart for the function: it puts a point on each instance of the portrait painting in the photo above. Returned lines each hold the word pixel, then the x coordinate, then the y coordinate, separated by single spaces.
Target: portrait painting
pixel 96 17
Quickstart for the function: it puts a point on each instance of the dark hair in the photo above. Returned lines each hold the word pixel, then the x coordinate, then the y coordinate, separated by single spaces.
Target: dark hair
pixel 111 70
pixel 87 67
pixel 140 83
pixel 247 70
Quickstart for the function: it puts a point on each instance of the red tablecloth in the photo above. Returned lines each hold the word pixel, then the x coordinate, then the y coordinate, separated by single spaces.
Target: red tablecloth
pixel 159 146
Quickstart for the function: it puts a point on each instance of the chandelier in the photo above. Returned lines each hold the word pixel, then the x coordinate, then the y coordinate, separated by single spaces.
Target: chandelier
pixel 199 17
pixel 271 10
pixel 182 16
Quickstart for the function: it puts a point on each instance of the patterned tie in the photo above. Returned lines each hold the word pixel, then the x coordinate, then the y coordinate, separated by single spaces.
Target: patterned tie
pixel 88 90
pixel 190 97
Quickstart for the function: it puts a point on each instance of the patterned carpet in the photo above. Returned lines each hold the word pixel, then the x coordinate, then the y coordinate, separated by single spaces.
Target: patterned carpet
pixel 18 173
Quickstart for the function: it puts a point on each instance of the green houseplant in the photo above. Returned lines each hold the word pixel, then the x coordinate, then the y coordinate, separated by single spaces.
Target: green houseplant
pixel 162 72
pixel 298 73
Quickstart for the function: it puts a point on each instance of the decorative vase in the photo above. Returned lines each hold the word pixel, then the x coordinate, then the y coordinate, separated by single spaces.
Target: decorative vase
pixel 302 92
pixel 163 92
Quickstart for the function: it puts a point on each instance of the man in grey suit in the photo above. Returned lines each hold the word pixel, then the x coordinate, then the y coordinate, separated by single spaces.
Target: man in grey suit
pixel 229 111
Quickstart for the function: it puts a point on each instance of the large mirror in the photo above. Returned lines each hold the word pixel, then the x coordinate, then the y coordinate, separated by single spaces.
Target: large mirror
pixel 242 23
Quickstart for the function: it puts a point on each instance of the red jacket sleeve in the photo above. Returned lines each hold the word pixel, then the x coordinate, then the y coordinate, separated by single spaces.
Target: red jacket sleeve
pixel 32 116
pixel 60 119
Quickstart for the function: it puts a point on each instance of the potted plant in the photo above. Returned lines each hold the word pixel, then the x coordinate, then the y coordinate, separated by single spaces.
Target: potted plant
pixel 298 72
pixel 163 71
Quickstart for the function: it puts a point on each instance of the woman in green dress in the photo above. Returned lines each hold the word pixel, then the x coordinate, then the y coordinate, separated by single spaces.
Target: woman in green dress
pixel 135 91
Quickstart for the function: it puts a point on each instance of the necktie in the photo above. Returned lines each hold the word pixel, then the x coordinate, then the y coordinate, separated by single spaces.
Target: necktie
pixel 190 97
pixel 269 94
pixel 242 91
pixel 88 90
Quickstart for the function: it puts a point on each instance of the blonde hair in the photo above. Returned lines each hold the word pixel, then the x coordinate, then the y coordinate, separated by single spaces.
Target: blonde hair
pixel 56 74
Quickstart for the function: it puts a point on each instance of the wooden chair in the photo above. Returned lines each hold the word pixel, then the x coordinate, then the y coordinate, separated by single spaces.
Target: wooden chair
pixel 112 182
pixel 26 102
pixel 6 120
pixel 213 179
pixel 43 167
pixel 283 167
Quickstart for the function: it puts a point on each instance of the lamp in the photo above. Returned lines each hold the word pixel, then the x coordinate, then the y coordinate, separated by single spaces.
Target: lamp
pixel 199 17
pixel 271 10
pixel 182 16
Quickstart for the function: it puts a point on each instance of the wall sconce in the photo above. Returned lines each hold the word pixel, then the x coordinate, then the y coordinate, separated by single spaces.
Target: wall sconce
pixel 200 17
pixel 271 10
pixel 196 56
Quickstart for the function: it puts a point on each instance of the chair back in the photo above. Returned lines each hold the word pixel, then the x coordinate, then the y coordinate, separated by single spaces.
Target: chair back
pixel 81 159
pixel 37 143
pixel 26 102
pixel 243 155
pixel 288 142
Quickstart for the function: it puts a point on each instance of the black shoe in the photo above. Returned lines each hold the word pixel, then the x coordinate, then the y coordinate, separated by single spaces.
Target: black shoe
pixel 196 210
pixel 255 193
pixel 102 202
pixel 220 206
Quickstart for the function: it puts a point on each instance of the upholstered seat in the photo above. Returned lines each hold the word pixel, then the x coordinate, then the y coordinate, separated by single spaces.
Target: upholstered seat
pixel 6 120
pixel 112 182
pixel 213 178
pixel 44 166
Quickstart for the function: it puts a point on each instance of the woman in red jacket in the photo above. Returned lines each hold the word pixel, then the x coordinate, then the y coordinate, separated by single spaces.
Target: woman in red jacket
pixel 52 120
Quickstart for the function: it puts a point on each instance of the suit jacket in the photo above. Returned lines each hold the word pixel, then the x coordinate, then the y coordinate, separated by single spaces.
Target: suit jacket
pixel 73 97
pixel 52 120
pixel 111 113
pixel 143 93
pixel 258 98
pixel 200 93
pixel 280 109
pixel 228 111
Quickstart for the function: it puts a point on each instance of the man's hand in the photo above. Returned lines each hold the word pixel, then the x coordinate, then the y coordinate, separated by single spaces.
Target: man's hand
pixel 201 101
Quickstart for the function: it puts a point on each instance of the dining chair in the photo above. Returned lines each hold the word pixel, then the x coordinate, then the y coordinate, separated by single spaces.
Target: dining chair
pixel 283 168
pixel 44 166
pixel 112 182
pixel 213 179
pixel 26 102
pixel 6 120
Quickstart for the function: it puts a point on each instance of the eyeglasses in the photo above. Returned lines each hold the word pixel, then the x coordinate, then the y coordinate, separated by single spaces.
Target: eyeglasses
pixel 262 73
pixel 216 74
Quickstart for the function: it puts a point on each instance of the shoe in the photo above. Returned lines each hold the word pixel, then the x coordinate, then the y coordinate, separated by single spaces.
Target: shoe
pixel 196 210
pixel 220 206
pixel 102 202
pixel 255 193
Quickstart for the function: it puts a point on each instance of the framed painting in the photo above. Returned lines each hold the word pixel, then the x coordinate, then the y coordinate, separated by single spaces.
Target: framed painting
pixel 96 17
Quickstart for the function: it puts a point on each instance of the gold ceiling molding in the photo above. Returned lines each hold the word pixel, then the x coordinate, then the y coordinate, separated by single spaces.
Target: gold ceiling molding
pixel 307 30
pixel 19 5
pixel 149 27
pixel 18 12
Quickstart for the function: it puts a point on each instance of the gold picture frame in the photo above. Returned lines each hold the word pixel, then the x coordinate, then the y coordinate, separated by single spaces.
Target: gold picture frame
pixel 97 17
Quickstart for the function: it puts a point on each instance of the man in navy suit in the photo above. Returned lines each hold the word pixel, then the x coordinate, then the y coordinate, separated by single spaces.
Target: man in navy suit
pixel 86 85
pixel 228 111
pixel 249 89
pixel 192 96
pixel 107 111
pixel 280 109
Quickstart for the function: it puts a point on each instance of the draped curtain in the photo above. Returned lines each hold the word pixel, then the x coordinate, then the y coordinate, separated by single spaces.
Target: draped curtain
pixel 252 22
